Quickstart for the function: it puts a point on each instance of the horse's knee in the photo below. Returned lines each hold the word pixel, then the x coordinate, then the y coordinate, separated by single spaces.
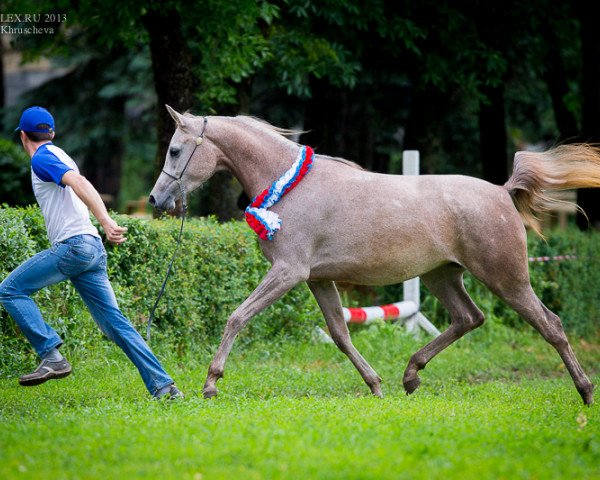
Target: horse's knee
pixel 556 337
pixel 235 323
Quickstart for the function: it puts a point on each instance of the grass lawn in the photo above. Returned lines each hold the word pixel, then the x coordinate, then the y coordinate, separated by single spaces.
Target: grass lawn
pixel 499 404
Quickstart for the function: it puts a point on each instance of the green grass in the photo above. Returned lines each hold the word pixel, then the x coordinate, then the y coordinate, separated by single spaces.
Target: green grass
pixel 497 405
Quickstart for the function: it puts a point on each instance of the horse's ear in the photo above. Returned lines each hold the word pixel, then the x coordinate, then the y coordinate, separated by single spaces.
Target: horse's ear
pixel 179 119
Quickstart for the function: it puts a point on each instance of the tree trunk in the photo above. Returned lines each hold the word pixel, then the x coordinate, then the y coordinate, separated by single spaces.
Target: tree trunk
pixel 589 199
pixel 103 161
pixel 493 136
pixel 2 87
pixel 173 79
pixel 556 80
pixel 322 119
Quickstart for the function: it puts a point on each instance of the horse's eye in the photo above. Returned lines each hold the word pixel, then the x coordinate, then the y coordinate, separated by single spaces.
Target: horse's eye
pixel 174 151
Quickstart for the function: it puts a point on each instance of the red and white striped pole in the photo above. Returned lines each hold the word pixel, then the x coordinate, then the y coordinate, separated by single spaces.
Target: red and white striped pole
pixel 393 311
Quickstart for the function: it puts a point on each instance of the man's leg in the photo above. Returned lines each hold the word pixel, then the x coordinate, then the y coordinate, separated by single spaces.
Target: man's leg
pixel 36 273
pixel 97 293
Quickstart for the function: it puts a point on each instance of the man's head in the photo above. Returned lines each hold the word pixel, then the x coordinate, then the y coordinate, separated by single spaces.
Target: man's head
pixel 36 125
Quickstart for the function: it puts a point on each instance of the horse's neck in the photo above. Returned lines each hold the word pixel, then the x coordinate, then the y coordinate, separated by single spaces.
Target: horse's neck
pixel 254 157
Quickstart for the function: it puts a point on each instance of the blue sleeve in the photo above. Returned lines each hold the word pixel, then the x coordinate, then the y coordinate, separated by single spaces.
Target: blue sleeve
pixel 49 168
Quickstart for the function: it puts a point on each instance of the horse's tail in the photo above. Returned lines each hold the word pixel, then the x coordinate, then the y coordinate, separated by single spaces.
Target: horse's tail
pixel 560 168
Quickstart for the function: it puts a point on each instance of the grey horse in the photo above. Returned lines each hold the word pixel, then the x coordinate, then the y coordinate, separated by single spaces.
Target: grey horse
pixel 343 223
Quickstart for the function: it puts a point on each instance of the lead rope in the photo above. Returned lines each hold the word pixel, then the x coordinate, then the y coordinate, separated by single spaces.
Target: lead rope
pixel 199 141
pixel 173 257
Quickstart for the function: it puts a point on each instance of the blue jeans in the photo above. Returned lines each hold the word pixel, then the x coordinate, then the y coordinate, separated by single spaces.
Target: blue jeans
pixel 81 259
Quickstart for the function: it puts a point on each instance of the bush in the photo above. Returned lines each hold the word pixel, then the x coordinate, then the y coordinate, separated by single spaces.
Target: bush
pixel 15 175
pixel 218 266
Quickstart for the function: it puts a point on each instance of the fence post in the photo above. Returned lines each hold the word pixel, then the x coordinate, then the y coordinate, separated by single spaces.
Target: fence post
pixel 412 287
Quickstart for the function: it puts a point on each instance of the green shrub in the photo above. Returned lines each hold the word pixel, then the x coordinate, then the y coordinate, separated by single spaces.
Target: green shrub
pixel 15 175
pixel 218 266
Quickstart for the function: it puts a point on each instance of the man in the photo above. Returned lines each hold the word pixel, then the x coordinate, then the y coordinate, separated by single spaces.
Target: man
pixel 76 254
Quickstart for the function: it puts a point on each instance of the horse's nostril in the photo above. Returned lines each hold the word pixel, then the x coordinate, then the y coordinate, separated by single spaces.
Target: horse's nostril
pixel 152 200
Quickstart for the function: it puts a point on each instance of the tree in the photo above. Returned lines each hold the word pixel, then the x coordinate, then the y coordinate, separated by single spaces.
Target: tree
pixel 589 199
pixel 174 81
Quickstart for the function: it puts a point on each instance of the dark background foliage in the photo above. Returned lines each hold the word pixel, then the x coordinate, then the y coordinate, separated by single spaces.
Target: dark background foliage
pixel 465 82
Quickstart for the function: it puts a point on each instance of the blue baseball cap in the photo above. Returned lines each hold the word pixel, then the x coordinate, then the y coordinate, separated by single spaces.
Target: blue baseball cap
pixel 36 119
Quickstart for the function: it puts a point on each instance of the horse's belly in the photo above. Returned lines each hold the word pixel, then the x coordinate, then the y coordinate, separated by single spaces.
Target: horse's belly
pixel 379 265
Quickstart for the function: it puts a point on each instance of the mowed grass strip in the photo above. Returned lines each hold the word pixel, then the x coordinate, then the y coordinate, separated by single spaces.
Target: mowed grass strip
pixel 497 405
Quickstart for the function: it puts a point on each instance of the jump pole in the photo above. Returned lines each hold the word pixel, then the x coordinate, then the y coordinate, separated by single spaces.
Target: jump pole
pixel 411 288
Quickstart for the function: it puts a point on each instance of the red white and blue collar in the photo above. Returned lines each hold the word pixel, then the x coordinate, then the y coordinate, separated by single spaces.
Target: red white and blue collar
pixel 264 222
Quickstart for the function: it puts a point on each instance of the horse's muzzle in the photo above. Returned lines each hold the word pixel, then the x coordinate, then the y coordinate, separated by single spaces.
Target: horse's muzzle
pixel 162 202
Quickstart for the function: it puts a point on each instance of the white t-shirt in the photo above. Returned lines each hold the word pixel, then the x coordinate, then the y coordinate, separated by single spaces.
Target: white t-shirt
pixel 64 212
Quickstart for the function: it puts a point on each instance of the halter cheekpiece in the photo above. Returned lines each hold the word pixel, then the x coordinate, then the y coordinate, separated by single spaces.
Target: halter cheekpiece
pixel 199 139
pixel 264 222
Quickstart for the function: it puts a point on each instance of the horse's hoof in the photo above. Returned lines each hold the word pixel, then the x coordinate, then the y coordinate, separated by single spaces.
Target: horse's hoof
pixel 411 385
pixel 376 391
pixel 209 393
pixel 587 394
pixel 588 398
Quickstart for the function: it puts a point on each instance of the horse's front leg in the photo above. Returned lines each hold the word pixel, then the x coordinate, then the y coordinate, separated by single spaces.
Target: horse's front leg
pixel 278 281
pixel 328 299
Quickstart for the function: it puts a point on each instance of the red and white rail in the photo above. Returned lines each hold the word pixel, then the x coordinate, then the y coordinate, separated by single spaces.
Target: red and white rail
pixel 554 258
pixel 393 311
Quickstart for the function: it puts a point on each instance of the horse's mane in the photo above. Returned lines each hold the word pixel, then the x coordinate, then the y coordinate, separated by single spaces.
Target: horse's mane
pixel 282 134
pixel 268 128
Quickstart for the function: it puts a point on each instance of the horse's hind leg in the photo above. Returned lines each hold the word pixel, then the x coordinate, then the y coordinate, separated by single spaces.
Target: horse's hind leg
pixel 446 283
pixel 522 298
pixel 505 271
pixel 328 299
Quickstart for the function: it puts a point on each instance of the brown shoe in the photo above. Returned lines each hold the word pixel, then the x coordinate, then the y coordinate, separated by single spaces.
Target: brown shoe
pixel 46 371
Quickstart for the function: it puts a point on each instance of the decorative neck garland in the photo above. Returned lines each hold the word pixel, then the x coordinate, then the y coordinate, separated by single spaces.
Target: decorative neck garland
pixel 264 222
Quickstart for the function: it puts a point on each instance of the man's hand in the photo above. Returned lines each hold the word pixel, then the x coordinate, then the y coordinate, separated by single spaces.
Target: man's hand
pixel 114 233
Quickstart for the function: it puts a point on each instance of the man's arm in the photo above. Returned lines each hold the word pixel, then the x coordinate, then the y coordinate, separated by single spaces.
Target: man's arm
pixel 89 195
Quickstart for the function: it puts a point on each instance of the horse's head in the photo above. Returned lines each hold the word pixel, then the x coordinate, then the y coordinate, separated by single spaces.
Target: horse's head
pixel 191 160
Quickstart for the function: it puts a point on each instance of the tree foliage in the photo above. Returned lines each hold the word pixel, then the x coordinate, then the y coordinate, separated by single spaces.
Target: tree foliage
pixel 465 82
